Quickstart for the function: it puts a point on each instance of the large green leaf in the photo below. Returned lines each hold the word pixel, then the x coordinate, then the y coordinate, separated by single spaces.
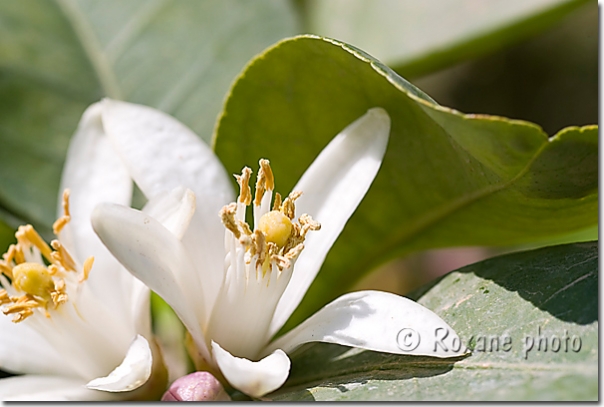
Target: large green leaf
pixel 57 57
pixel 417 37
pixel 546 295
pixel 447 179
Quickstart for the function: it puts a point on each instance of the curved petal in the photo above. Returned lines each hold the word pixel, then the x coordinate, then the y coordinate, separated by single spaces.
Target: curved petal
pixel 132 373
pixel 48 388
pixel 377 321
pixel 332 188
pixel 94 173
pixel 253 378
pixel 156 257
pixel 23 350
pixel 161 154
pixel 173 210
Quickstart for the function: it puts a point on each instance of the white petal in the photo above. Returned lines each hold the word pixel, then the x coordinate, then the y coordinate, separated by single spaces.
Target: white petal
pixel 156 257
pixel 141 307
pixel 23 350
pixel 47 388
pixel 161 154
pixel 173 210
pixel 94 173
pixel 253 378
pixel 132 373
pixel 176 211
pixel 377 321
pixel 332 188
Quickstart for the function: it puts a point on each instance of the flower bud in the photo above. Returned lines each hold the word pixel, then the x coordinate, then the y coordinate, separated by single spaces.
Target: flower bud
pixel 198 386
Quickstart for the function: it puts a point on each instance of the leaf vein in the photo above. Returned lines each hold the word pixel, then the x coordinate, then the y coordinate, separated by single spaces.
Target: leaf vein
pixel 91 46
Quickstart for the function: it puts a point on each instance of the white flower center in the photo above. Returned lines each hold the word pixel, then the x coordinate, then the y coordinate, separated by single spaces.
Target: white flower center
pixel 258 263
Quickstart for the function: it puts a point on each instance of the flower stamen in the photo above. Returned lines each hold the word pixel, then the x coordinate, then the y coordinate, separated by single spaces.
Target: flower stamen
pixel 63 220
pixel 4 297
pixel 62 257
pixel 227 215
pixel 277 204
pixel 264 182
pixel 39 283
pixel 22 307
pixel 86 269
pixel 288 208
pixel 277 238
pixel 6 270
pixel 27 236
pixel 245 194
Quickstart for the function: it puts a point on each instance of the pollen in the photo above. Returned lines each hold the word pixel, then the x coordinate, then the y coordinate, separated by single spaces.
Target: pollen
pixel 277 238
pixel 63 220
pixel 35 275
pixel 276 227
pixel 33 279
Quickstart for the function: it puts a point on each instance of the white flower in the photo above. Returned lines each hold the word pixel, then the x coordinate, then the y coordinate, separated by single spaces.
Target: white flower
pixel 75 324
pixel 233 286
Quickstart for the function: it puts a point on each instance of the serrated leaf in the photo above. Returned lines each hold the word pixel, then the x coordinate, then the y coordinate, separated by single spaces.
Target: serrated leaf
pixel 536 298
pixel 417 37
pixel 447 179
pixel 57 57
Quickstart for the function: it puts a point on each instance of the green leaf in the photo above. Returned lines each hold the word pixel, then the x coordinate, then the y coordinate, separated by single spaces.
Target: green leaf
pixel 417 37
pixel 547 295
pixel 7 236
pixel 447 179
pixel 58 57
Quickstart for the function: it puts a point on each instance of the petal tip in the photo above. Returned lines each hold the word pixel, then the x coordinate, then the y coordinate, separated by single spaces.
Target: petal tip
pixel 379 113
pixel 380 119
pixel 99 216
pixel 254 378
pixel 132 373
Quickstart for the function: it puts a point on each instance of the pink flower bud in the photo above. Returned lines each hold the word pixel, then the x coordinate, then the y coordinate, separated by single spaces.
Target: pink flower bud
pixel 198 386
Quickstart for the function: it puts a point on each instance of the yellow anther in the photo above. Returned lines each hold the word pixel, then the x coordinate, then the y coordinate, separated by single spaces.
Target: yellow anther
pixel 53 269
pixel 66 193
pixel 288 208
pixel 61 256
pixel 59 296
pixel 17 255
pixel 86 269
pixel 264 182
pixel 20 312
pixel 4 299
pixel 245 194
pixel 276 227
pixel 308 223
pixel 27 235
pixel 277 204
pixel 63 220
pixel 6 269
pixel 60 224
pixel 10 254
pixel 227 215
pixel 33 279
pixel 265 169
